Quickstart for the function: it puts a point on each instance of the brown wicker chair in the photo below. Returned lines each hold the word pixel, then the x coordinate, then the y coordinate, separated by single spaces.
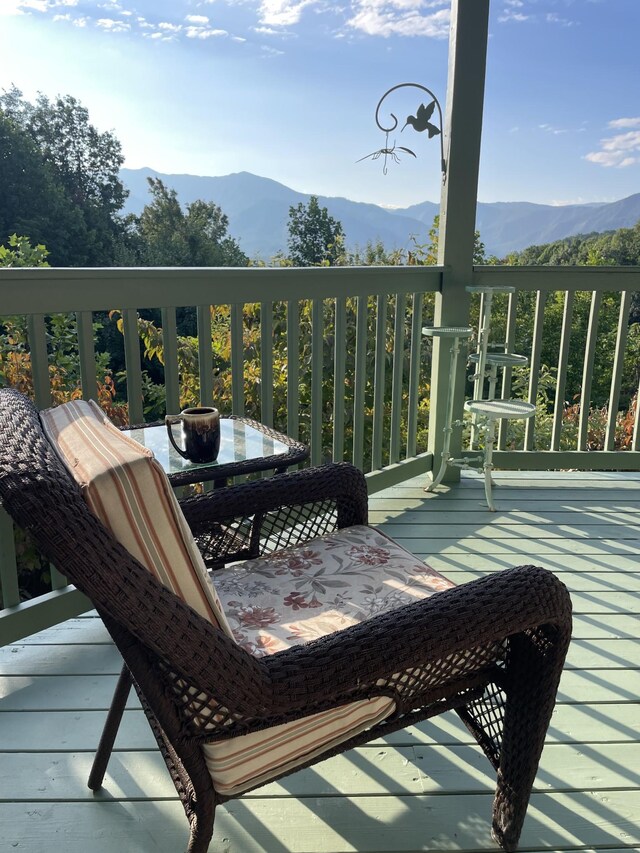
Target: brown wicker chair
pixel 173 655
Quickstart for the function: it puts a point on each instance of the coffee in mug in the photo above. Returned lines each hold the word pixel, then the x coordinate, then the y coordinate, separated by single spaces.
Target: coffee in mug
pixel 200 433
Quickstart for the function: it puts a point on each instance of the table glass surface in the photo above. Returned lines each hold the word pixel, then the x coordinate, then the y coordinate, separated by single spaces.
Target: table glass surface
pixel 239 442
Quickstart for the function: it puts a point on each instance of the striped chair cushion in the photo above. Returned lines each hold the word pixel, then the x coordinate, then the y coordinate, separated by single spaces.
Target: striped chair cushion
pixel 127 489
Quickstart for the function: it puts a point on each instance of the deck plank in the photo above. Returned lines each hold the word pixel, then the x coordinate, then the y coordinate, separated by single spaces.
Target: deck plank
pixel 382 770
pixel 79 731
pixel 326 824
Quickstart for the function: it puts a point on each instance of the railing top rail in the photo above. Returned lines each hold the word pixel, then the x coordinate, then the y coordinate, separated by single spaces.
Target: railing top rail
pixel 50 290
pixel 568 278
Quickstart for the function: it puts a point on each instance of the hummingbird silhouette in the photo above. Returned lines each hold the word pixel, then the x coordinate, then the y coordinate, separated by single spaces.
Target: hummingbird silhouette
pixel 420 121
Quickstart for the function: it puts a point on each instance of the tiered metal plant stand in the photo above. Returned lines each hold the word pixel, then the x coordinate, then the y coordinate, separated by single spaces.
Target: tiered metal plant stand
pixel 487 408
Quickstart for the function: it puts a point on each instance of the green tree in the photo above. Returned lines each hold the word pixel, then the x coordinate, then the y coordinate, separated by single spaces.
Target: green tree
pixel 33 201
pixel 427 253
pixel 20 253
pixel 166 235
pixel 85 164
pixel 315 238
pixel 375 255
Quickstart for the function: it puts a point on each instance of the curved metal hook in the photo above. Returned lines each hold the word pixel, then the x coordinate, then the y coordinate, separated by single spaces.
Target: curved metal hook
pixel 388 130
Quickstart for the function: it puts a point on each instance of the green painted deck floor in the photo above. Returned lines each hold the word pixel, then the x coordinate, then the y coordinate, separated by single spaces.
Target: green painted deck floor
pixel 423 789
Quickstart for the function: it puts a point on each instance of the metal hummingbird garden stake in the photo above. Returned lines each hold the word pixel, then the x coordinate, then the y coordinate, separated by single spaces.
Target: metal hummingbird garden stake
pixel 420 122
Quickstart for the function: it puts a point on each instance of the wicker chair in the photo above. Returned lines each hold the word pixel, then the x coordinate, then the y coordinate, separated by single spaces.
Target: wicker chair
pixel 492 650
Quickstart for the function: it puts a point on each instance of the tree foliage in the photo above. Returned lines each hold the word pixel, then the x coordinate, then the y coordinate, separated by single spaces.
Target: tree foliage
pixel 32 200
pixel 166 235
pixel 616 248
pixel 55 156
pixel 315 238
pixel 427 253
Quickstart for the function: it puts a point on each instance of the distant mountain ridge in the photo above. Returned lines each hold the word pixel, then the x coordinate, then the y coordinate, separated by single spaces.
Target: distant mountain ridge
pixel 258 211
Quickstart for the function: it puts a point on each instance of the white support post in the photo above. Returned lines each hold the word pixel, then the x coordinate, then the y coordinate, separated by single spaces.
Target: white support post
pixel 462 132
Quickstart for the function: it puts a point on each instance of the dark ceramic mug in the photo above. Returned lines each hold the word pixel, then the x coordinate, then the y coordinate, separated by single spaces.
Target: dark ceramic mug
pixel 200 433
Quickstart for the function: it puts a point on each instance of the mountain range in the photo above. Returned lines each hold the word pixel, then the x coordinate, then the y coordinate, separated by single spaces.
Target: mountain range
pixel 258 211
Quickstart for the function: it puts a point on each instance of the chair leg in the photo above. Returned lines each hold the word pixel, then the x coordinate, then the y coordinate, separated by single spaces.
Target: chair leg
pixel 533 681
pixel 111 726
pixel 202 830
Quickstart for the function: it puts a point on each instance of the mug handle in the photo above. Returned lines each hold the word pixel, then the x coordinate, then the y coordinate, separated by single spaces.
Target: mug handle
pixel 169 421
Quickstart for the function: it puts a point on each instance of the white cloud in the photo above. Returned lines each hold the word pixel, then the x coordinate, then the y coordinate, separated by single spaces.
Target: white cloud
pixel 624 122
pixel 617 151
pixel 203 33
pixel 554 18
pixel 399 17
pixel 77 22
pixel 282 13
pixel 112 26
pixel 270 31
pixel 197 19
pixel 508 15
pixel 519 12
pixel 271 51
pixel 22 7
pixel 169 28
pixel 555 130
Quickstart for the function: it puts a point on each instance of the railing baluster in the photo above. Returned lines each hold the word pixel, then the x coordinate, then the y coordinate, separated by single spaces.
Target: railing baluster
pixel 266 363
pixel 237 359
pixel 414 374
pixel 205 355
pixel 563 362
pixel 618 365
pixel 635 442
pixel 317 351
pixel 132 365
pixel 339 374
pixel 382 302
pixel 587 372
pixel 360 382
pixel 171 372
pixel 87 355
pixel 8 564
pixel 293 368
pixel 507 374
pixel 396 388
pixel 536 354
pixel 37 334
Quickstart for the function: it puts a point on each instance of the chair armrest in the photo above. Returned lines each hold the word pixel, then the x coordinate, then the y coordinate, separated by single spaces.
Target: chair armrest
pixel 439 632
pixel 312 501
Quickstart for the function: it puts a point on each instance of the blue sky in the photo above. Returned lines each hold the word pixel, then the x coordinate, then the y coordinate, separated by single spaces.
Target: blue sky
pixel 288 88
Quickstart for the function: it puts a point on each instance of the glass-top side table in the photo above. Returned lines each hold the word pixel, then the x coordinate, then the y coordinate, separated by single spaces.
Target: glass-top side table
pixel 246 446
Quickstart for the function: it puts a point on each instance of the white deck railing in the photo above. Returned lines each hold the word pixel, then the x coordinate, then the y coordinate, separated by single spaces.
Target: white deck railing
pixel 345 346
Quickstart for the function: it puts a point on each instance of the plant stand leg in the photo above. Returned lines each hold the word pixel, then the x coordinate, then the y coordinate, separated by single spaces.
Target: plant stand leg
pixel 448 426
pixel 488 462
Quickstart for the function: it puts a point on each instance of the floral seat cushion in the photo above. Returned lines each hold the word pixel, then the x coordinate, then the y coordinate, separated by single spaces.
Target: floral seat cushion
pixel 323 586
